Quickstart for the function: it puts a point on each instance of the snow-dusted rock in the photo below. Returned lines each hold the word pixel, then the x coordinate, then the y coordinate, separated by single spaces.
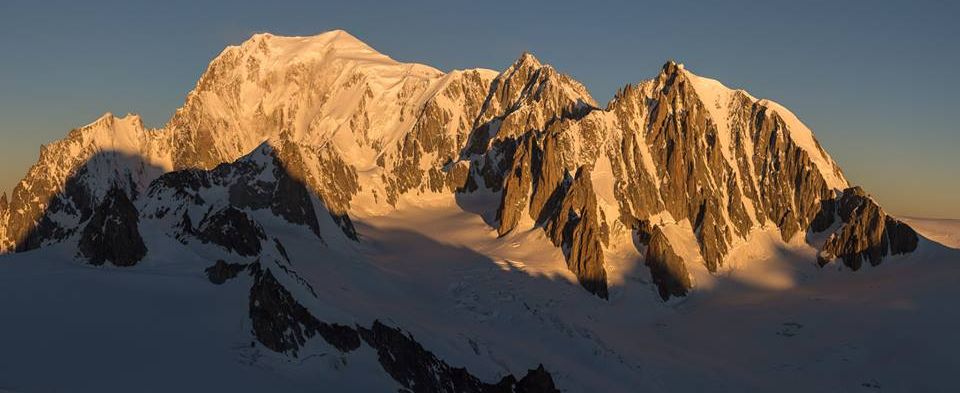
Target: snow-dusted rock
pixel 311 128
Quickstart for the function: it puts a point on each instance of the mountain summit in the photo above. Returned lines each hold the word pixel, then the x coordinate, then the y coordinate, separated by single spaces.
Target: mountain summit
pixel 368 131
pixel 294 152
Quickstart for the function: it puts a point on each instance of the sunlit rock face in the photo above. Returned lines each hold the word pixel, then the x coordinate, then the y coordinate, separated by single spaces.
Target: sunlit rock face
pixel 867 233
pixel 354 211
pixel 319 130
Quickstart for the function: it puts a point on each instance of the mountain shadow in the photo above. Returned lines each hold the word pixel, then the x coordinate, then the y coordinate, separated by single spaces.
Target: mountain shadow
pixel 104 203
pixel 94 203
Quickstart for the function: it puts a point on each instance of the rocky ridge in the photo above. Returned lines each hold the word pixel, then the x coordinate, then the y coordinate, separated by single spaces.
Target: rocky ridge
pixel 355 132
pixel 867 233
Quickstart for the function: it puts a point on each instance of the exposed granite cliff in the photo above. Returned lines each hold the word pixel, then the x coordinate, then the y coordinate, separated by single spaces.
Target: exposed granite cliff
pixel 300 125
pixel 867 233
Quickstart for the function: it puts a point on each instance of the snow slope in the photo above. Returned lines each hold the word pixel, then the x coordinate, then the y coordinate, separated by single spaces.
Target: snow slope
pixel 717 100
pixel 490 305
pixel 379 143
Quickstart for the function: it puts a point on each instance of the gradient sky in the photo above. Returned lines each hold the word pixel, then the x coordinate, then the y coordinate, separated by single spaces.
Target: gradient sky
pixel 876 80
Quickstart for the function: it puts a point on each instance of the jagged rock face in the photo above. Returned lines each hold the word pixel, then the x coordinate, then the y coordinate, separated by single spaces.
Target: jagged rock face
pixel 516 187
pixel 283 325
pixel 437 137
pixel 354 131
pixel 565 206
pixel 334 181
pixel 690 165
pixel 291 199
pixel 279 321
pixel 421 371
pixel 73 175
pixel 726 170
pixel 406 360
pixel 578 226
pixel 720 159
pixel 112 233
pixel 267 179
pixel 305 128
pixel 903 239
pixel 514 128
pixel 340 102
pixel 529 95
pixel 232 229
pixel 790 192
pixel 867 233
pixel 667 268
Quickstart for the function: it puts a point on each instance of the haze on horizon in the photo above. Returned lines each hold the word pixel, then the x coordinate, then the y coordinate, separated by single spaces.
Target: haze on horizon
pixel 874 81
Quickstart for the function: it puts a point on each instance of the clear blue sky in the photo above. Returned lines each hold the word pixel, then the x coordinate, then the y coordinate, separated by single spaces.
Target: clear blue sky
pixel 876 80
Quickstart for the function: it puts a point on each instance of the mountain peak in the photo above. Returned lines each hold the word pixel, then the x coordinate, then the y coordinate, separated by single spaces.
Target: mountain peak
pixel 516 177
pixel 671 69
pixel 108 119
pixel 673 64
pixel 335 40
pixel 527 59
pixel 324 36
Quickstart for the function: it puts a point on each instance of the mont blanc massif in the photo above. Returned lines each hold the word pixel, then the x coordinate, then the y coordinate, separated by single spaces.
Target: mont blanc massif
pixel 320 217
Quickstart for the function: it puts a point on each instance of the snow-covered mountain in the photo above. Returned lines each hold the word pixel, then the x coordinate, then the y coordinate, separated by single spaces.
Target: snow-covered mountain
pixel 423 226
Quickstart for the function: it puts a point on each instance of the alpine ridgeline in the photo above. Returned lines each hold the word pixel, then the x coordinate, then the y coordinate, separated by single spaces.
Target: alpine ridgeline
pixel 318 131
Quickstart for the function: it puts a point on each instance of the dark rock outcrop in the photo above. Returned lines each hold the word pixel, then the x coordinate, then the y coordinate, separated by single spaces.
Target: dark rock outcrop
pixel 867 233
pixel 268 178
pixel 61 190
pixel 291 197
pixel 232 229
pixel 537 380
pixel 420 371
pixel 286 195
pixel 677 146
pixel 577 228
pixel 903 239
pixel 221 271
pixel 282 324
pixel 112 234
pixel 666 267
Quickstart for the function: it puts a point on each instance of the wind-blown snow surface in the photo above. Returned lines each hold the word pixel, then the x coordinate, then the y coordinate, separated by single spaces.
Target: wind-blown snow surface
pixel 435 269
